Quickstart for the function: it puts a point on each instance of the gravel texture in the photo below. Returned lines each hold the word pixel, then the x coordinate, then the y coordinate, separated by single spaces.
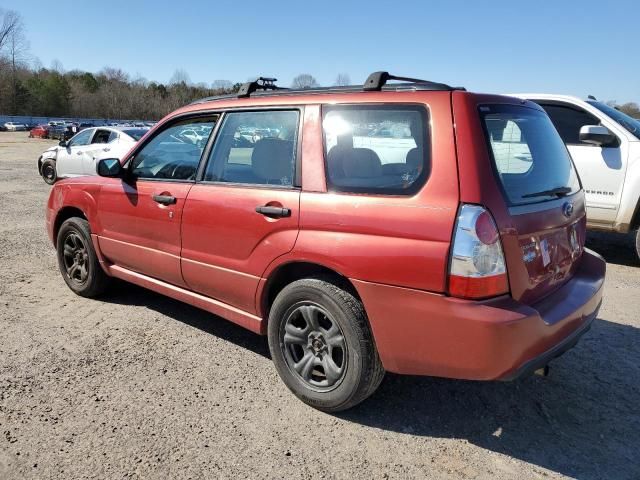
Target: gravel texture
pixel 140 386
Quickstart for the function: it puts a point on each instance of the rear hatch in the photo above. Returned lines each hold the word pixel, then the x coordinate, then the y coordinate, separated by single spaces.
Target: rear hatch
pixel 543 231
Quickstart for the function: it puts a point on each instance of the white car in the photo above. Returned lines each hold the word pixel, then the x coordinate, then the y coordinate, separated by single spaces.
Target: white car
pixel 79 155
pixel 15 127
pixel 605 146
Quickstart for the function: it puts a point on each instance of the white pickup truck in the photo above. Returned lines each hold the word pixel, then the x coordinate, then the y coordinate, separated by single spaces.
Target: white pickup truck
pixel 605 146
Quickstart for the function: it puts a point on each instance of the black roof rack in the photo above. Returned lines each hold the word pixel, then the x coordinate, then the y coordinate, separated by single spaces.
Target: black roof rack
pixel 377 80
pixel 262 83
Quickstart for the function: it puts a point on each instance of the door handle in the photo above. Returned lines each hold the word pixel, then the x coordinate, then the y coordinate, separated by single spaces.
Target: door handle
pixel 268 211
pixel 106 149
pixel 164 199
pixel 78 153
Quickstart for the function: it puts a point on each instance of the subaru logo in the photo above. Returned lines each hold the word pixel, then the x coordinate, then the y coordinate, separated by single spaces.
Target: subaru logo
pixel 567 209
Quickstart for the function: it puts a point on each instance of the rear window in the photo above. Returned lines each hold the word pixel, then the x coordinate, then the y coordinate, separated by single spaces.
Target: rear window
pixel 530 158
pixel 380 149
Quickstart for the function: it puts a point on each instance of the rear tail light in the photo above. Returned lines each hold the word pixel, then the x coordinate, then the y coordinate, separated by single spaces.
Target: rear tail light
pixel 477 262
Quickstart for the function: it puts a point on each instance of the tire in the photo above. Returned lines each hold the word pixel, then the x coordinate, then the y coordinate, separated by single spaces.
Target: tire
pixel 48 171
pixel 636 235
pixel 78 261
pixel 306 357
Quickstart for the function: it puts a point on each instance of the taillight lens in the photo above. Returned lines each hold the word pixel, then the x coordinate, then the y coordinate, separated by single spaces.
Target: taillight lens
pixel 477 261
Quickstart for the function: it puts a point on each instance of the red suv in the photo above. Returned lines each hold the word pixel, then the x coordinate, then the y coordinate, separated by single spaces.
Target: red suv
pixel 407 227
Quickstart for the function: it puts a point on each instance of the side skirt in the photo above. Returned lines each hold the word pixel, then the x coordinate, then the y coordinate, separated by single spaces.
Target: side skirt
pixel 235 315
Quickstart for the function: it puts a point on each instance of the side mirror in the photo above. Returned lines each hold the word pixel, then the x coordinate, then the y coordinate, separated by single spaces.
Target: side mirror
pixel 597 135
pixel 62 143
pixel 110 167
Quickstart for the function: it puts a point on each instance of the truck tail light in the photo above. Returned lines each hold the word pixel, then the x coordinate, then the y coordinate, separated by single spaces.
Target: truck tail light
pixel 477 268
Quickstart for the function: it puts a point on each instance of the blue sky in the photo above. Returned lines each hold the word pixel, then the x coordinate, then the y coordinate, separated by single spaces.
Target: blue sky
pixel 575 47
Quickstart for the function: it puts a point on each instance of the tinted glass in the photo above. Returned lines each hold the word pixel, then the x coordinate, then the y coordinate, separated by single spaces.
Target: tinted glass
pixel 376 149
pixel 171 155
pixel 255 148
pixel 529 155
pixel 136 133
pixel 568 121
pixel 82 138
pixel 632 125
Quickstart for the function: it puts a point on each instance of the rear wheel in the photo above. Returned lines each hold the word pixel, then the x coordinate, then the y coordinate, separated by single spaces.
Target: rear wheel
pixel 637 239
pixel 48 171
pixel 78 261
pixel 322 346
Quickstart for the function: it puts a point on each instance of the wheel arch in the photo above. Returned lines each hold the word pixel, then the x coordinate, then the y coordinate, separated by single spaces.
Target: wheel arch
pixel 289 272
pixel 63 214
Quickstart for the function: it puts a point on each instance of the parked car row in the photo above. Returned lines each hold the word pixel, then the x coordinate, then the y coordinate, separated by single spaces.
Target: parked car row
pixel 59 125
pixel 362 230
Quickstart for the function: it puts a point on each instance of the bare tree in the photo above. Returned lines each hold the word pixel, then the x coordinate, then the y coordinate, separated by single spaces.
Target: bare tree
pixel 180 76
pixel 56 66
pixel 342 80
pixel 11 23
pixel 222 85
pixel 12 39
pixel 304 80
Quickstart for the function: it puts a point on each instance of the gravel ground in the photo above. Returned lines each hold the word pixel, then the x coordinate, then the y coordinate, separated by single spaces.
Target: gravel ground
pixel 140 386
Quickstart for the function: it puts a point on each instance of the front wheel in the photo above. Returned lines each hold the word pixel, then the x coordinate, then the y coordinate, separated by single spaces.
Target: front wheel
pixel 322 346
pixel 78 261
pixel 48 171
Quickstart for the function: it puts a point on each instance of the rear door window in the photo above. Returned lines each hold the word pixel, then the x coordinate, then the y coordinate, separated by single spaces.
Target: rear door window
pixel 257 148
pixel 101 136
pixel 530 158
pixel 382 149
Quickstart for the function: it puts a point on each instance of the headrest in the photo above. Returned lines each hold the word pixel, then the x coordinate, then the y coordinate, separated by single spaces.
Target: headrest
pixel 416 132
pixel 272 159
pixel 414 158
pixel 361 163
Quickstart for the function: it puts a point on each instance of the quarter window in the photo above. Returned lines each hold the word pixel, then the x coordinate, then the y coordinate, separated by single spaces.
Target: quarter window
pixel 376 149
pixel 171 154
pixel 257 148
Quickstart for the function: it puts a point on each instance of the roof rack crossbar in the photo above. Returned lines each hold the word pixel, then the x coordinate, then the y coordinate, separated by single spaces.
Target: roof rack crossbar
pixel 377 80
pixel 262 83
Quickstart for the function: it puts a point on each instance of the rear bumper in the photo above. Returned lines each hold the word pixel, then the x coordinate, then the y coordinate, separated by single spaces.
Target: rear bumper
pixel 420 333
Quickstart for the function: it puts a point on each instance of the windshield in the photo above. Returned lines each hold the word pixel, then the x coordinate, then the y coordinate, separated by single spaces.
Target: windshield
pixel 530 158
pixel 136 133
pixel 632 125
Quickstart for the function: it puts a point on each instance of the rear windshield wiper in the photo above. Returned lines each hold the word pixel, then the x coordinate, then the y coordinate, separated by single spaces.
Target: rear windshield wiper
pixel 558 192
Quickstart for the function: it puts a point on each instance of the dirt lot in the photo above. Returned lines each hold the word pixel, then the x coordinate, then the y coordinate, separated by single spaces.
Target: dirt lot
pixel 140 386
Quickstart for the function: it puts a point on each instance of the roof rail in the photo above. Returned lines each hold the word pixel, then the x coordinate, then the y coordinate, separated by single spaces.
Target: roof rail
pixel 262 83
pixel 377 80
